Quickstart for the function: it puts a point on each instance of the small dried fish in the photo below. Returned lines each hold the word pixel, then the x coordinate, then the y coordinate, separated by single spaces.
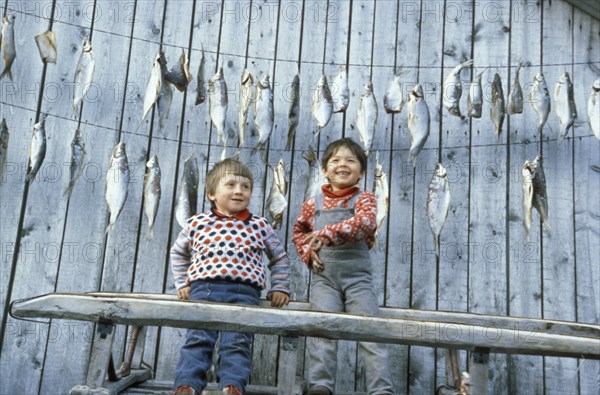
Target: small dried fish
pixel 84 74
pixel 46 43
pixel 540 99
pixel 438 203
pixel 382 194
pixel 245 101
pixel 37 148
pixel 314 182
pixel 78 154
pixel 294 112
pixel 475 97
pixel 201 77
pixel 9 51
pixel 187 201
pixel 527 175
pixel 322 104
pixel 393 99
pixel 418 122
pixel 594 109
pixel 264 115
pixel 165 97
pixel 564 105
pixel 217 103
pixel 154 87
pixel 340 92
pixel 280 177
pixel 453 89
pixel 540 197
pixel 179 75
pixel 4 136
pixel 117 184
pixel 276 202
pixel 151 193
pixel 515 96
pixel 497 107
pixel 366 118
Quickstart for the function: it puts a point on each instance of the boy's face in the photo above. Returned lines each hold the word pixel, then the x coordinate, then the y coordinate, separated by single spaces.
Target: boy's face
pixel 232 195
pixel 343 169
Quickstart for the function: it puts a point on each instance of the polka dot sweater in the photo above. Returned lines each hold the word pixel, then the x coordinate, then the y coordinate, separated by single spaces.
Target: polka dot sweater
pixel 360 227
pixel 217 247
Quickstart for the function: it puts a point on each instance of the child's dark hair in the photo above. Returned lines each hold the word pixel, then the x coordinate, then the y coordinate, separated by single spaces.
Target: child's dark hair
pixel 347 142
pixel 223 168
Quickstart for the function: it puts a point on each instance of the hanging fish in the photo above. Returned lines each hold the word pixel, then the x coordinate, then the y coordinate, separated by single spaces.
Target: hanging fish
pixel 418 122
pixel 78 154
pixel 4 136
pixel 276 202
pixel 366 118
pixel 382 194
pixel 438 203
pixel 314 182
pixel 179 75
pixel 340 95
pixel 515 96
pixel 84 74
pixel 527 175
pixel 564 105
pixel 497 107
pixel 540 99
pixel 264 115
pixel 217 103
pixel 151 193
pixel 37 148
pixel 165 96
pixel 201 77
pixel 9 51
pixel 187 201
pixel 280 177
pixel 540 196
pixel 393 100
pixel 475 97
pixel 453 89
pixel 594 109
pixel 154 87
pixel 322 104
pixel 117 183
pixel 245 101
pixel 294 112
pixel 46 43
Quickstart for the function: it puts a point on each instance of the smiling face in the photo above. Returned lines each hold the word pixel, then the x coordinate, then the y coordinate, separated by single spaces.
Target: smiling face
pixel 343 169
pixel 232 194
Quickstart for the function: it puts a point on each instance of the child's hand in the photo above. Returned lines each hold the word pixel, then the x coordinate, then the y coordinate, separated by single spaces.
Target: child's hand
pixel 183 293
pixel 278 299
pixel 316 264
pixel 314 242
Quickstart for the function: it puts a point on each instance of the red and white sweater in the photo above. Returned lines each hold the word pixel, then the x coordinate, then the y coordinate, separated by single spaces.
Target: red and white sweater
pixel 360 227
pixel 213 246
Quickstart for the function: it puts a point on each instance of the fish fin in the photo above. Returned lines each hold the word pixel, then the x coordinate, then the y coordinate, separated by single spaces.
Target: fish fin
pixel 547 226
pixel 109 228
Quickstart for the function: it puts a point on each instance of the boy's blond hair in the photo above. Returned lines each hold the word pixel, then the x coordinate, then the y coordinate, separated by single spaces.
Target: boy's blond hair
pixel 222 169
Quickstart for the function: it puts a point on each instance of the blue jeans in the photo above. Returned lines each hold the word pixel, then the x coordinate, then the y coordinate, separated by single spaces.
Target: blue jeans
pixel 235 354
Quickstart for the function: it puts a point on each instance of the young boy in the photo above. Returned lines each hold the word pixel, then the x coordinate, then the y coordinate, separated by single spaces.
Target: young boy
pixel 333 235
pixel 217 257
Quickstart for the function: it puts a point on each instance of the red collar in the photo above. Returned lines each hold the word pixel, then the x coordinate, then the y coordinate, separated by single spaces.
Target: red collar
pixel 350 191
pixel 242 215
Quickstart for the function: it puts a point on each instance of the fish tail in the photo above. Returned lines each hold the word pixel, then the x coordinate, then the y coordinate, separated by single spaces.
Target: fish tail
pixel 290 141
pixel 7 72
pixel 68 190
pixel 547 226
pixel 109 227
pixel 150 234
pixel 259 146
pixel 30 176
pixel 436 245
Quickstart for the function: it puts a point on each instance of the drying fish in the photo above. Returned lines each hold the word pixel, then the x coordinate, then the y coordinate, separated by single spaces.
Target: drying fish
pixel 322 104
pixel 179 75
pixel 497 106
pixel 276 202
pixel 393 100
pixel 245 100
pixel 9 51
pixel 201 77
pixel 264 115
pixel 151 193
pixel 187 201
pixel 46 43
pixel 564 105
pixel 540 197
pixel 37 149
pixel 117 183
pixel 527 174
pixel 217 103
pixel 418 122
pixel 340 93
pixel 294 112
pixel 3 147
pixel 165 96
pixel 514 104
pixel 540 99
pixel 314 182
pixel 154 85
pixel 77 160
pixel 84 74
pixel 453 89
pixel 382 194
pixel 475 97
pixel 594 109
pixel 366 118
pixel 438 203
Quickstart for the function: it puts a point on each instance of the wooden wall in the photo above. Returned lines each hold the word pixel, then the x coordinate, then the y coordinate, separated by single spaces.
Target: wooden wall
pixel 50 243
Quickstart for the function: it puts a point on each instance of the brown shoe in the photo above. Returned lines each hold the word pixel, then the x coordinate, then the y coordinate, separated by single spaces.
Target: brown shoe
pixel 230 389
pixel 184 390
pixel 318 390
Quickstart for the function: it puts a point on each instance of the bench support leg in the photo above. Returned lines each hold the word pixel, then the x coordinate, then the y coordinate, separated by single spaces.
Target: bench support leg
pixel 479 371
pixel 288 359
